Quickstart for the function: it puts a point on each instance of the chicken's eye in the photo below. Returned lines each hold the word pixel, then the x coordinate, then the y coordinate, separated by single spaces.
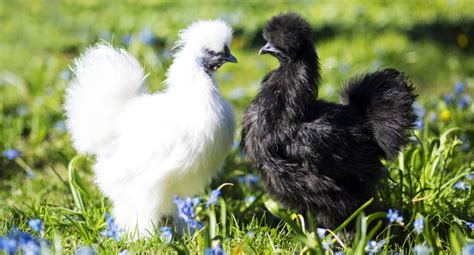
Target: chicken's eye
pixel 210 52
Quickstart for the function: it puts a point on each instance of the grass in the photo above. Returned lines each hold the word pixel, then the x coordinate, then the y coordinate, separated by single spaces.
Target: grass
pixel 431 180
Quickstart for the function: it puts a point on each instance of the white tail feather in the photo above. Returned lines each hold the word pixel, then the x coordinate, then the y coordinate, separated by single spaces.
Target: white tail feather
pixel 105 80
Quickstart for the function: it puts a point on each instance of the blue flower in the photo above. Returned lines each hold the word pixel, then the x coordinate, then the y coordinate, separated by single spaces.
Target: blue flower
pixel 195 225
pixel 466 142
pixel 213 197
pixel 460 185
pixel 344 68
pixel 11 154
pixel 127 40
pixel 433 117
pixel 186 207
pixel 470 176
pixel 8 245
pixel 470 225
pixel 228 77
pixel 31 247
pixel 186 216
pixel 419 224
pixel 420 113
pixel 419 124
pixel 374 247
pixel 20 240
pixel 422 249
pixel 249 179
pixel 214 251
pixel 123 252
pixel 105 35
pixel 419 110
pixel 376 64
pixel 448 98
pixel 166 54
pixel 85 250
pixel 147 36
pixel 65 74
pixel 464 101
pixel 394 216
pixel 35 225
pixel 468 249
pixel 113 230
pixel 235 144
pixel 321 232
pixel 237 93
pixel 459 87
pixel 22 111
pixel 60 126
pixel 326 245
pixel 250 199
pixel 166 234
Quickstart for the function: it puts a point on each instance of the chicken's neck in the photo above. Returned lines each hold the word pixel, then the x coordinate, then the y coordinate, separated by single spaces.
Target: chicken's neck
pixel 291 89
pixel 186 77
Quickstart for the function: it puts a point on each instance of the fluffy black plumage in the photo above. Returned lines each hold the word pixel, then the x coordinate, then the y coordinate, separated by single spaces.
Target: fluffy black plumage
pixel 316 155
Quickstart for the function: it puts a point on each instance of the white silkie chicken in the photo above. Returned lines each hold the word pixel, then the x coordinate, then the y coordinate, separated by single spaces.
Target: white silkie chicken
pixel 151 147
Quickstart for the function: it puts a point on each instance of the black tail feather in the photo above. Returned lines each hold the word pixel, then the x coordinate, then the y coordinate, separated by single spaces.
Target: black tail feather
pixel 386 98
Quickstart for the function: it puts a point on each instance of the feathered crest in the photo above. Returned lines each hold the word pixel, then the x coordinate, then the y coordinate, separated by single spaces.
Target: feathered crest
pixel 287 32
pixel 213 34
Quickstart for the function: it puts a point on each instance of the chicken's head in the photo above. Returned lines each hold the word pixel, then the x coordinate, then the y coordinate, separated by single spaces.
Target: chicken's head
pixel 208 42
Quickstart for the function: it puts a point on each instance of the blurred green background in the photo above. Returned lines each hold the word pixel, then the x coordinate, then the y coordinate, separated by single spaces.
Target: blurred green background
pixel 431 41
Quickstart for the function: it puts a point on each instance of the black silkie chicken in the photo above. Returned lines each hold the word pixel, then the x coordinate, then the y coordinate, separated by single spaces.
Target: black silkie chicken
pixel 315 155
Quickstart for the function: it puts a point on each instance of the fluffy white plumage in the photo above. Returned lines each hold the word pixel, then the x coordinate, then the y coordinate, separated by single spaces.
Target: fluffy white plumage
pixel 150 147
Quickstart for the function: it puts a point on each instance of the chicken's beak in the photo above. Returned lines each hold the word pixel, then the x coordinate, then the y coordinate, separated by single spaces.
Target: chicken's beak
pixel 268 48
pixel 230 58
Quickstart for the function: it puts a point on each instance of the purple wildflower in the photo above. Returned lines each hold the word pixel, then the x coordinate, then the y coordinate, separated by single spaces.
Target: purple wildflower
pixel 422 249
pixel 394 216
pixel 419 124
pixel 214 251
pixel 419 224
pixel 466 142
pixel 374 247
pixel 85 250
pixel 470 225
pixel 113 230
pixel 186 215
pixel 147 36
pixel 459 88
pixel 8 245
pixel 11 154
pixel 166 234
pixel 249 179
pixel 321 232
pixel 448 98
pixel 468 249
pixel 36 225
pixel 460 185
pixel 127 40
pixel 65 74
pixel 464 101
pixel 250 199
pixel 433 117
pixel 17 240
pixel 213 197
